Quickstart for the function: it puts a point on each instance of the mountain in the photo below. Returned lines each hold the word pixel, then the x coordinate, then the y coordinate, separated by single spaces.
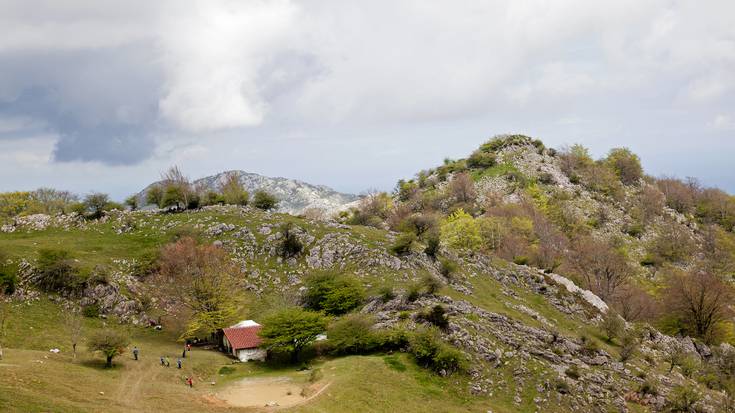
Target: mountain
pixel 295 196
pixel 519 279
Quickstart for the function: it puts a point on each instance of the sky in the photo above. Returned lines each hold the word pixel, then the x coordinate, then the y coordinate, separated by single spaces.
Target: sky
pixel 105 95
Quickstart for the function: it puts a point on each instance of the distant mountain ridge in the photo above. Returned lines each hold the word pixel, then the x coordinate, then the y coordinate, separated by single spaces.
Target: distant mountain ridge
pixel 295 196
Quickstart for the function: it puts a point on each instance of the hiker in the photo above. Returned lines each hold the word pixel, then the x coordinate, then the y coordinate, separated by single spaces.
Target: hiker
pixel 163 361
pixel 188 346
pixel 178 363
pixel 135 352
pixel 168 362
pixel 190 382
pixel 183 354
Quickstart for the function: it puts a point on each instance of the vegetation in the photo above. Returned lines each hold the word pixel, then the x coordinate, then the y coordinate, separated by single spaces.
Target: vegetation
pixel 333 293
pixel 265 201
pixel 110 343
pixel 291 330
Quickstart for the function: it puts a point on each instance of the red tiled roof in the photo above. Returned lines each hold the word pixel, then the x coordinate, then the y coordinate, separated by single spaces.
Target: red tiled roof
pixel 243 337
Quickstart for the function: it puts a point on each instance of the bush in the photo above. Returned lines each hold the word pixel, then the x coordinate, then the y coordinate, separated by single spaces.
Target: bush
pixel 8 276
pixel 628 346
pixel 648 387
pixel 224 370
pixel 432 244
pixel 480 159
pixel 333 293
pixel 386 293
pixel 413 292
pixel 436 316
pixel 264 200
pixel 91 310
pixel 520 260
pixel 430 284
pixel 353 334
pixel 626 164
pixel 403 243
pixel 56 271
pixel 447 267
pixel 290 245
pixel 612 325
pixel 683 398
pixel 430 352
pixel 573 372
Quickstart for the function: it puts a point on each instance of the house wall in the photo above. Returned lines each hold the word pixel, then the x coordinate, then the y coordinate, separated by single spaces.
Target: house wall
pixel 251 354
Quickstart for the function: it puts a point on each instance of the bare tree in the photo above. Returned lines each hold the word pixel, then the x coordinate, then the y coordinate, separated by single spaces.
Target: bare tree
pixel 73 324
pixel 602 268
pixel 634 304
pixel 174 182
pixel 700 299
pixel 462 188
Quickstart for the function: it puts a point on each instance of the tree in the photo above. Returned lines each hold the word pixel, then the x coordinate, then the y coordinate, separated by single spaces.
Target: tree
pixel 602 268
pixel 177 189
pixel 352 334
pixel 96 203
pixel 73 324
pixel 111 343
pixel 264 200
pixel 291 330
pixel 132 202
pixel 56 271
pixel 155 195
pixel 290 245
pixel 52 201
pixel 333 293
pixel 462 188
pixel 202 279
pixel 612 325
pixel 233 191
pixel 459 230
pixel 634 304
pixel 626 164
pixel 699 299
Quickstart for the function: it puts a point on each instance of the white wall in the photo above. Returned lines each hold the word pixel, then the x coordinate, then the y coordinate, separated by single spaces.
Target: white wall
pixel 251 354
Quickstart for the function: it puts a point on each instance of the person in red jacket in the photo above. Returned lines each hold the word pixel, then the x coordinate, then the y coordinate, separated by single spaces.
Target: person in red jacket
pixel 190 382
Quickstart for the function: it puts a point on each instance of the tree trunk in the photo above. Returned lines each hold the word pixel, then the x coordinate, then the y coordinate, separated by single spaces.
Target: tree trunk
pixel 109 361
pixel 74 351
pixel 295 356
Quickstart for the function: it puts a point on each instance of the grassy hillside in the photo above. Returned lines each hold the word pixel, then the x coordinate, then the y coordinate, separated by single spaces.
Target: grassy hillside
pixel 491 247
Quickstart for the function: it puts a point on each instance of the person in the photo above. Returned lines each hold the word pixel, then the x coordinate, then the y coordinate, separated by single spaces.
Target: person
pixel 183 354
pixel 168 362
pixel 188 346
pixel 163 361
pixel 178 363
pixel 135 352
pixel 189 381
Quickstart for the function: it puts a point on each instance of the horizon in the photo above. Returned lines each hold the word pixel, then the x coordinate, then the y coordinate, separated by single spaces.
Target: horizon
pixel 104 98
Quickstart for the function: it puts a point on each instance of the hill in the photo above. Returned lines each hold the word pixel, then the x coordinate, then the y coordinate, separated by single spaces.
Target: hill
pixel 295 196
pixel 492 283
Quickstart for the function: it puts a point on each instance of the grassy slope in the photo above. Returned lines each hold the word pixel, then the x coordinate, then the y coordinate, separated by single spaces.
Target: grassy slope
pixel 359 383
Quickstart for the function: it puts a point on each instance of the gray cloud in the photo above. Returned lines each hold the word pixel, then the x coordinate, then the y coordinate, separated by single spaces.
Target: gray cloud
pixel 150 83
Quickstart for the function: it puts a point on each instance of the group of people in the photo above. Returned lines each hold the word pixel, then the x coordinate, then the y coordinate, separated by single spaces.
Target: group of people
pixel 167 363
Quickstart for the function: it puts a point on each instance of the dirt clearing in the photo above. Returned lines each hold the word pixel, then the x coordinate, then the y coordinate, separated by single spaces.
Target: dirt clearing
pixel 270 392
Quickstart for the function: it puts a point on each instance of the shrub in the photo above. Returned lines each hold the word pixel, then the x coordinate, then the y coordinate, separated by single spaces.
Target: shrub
pixel 430 284
pixel 333 293
pixel 432 244
pixel 626 164
pixel 430 352
pixel 561 386
pixel 224 370
pixel 289 245
pixel 648 387
pixel 56 271
pixel 8 276
pixel 520 260
pixel 628 346
pixel 413 292
pixel 612 325
pixel 264 200
pixel 589 344
pixel 447 267
pixel 291 330
pixel 436 316
pixel 573 372
pixel 683 398
pixel 460 230
pixel 481 159
pixel 546 178
pixel 403 243
pixel 352 334
pixel 386 293
pixel 91 310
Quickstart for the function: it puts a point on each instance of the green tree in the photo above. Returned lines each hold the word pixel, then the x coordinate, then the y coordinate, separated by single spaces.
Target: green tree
pixel 155 195
pixel 626 164
pixel 96 203
pixel 459 230
pixel 56 271
pixel 132 202
pixel 233 192
pixel 292 329
pixel 111 343
pixel 333 293
pixel 264 200
pixel 352 334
